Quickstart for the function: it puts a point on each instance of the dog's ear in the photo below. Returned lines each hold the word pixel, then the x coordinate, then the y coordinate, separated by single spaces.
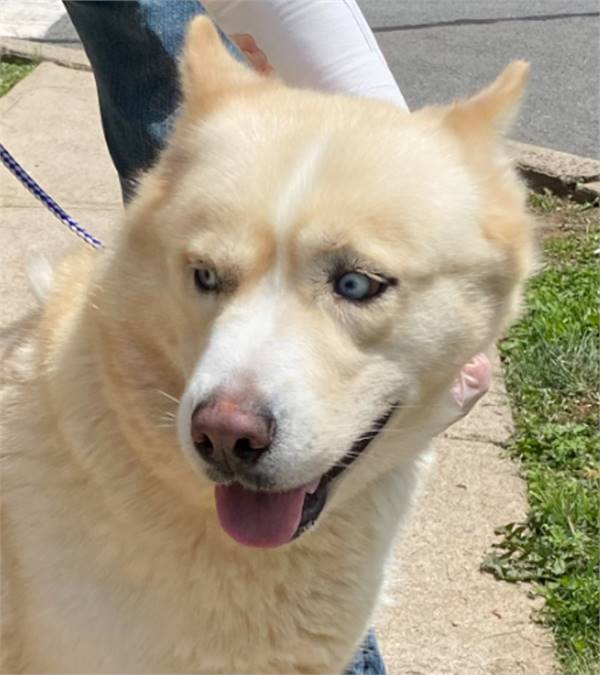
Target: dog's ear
pixel 209 73
pixel 479 124
pixel 210 76
pixel 491 111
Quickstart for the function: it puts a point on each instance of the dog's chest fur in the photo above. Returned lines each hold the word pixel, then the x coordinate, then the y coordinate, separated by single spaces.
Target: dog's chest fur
pixel 168 592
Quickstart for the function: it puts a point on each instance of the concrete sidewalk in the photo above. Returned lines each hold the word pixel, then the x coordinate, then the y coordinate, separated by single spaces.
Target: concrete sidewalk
pixel 443 616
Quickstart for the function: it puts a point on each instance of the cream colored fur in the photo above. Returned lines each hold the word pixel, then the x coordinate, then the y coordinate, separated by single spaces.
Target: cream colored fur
pixel 113 559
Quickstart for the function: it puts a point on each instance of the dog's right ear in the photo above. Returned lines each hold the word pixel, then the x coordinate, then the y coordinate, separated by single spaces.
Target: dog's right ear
pixel 210 74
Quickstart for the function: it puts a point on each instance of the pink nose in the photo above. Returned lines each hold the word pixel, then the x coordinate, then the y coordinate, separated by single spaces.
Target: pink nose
pixel 225 433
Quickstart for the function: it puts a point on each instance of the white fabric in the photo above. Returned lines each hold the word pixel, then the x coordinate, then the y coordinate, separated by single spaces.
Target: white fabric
pixel 321 44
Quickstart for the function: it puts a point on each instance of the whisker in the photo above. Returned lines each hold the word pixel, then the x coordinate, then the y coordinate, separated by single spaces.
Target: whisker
pixel 167 420
pixel 168 396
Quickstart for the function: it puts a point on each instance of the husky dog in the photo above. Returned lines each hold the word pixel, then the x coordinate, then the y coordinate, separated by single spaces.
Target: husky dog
pixel 221 421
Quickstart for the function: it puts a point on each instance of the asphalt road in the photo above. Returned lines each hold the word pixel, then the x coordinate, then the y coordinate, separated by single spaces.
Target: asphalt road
pixel 438 50
pixel 441 49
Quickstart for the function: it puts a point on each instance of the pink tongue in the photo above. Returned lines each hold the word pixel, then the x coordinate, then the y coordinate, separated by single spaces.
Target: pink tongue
pixel 263 519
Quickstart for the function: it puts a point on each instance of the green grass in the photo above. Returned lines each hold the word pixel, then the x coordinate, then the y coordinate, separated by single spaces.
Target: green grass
pixel 552 367
pixel 13 69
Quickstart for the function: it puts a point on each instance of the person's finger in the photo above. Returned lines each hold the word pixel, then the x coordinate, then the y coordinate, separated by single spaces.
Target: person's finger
pixel 473 382
pixel 245 42
pixel 258 59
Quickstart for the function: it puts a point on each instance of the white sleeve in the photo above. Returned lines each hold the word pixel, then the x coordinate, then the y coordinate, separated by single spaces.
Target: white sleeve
pixel 321 44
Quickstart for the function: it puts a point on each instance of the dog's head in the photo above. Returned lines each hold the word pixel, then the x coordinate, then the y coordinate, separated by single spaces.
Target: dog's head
pixel 316 266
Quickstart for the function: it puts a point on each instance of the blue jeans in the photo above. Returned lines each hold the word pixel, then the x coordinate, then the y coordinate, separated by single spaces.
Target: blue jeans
pixel 133 48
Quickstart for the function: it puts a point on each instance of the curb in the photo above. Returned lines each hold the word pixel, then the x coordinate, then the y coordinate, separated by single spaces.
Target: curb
pixel 564 174
pixel 69 57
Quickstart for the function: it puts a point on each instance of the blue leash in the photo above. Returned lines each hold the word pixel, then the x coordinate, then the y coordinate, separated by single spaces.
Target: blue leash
pixel 19 172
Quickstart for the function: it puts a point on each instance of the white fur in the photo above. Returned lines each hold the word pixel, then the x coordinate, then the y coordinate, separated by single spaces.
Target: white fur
pixel 251 349
pixel 113 558
pixel 299 182
pixel 40 276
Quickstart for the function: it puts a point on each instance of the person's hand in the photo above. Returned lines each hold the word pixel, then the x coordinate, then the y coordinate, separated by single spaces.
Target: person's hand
pixel 256 56
pixel 472 383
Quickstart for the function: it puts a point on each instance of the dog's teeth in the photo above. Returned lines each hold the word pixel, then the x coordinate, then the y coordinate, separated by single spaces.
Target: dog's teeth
pixel 311 488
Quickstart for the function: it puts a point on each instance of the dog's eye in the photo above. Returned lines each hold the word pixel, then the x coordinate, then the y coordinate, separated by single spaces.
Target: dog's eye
pixel 358 287
pixel 206 279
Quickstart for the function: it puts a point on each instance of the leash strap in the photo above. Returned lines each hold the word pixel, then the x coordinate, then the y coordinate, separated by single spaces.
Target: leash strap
pixel 36 190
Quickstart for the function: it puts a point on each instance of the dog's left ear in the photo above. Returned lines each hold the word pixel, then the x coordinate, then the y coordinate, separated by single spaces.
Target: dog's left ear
pixel 479 124
pixel 210 74
pixel 490 113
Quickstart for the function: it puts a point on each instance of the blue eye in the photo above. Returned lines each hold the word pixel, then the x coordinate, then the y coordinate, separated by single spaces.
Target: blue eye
pixel 206 279
pixel 358 287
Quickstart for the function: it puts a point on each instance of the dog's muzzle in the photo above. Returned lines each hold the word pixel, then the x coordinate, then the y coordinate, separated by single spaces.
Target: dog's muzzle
pixel 231 437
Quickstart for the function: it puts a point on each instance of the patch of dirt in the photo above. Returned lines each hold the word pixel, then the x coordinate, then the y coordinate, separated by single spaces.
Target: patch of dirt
pixel 558 217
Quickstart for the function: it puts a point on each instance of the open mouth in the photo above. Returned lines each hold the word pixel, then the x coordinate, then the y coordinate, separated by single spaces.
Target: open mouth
pixel 271 519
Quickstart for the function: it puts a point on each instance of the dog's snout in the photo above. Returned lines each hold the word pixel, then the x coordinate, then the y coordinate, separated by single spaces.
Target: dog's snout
pixel 227 434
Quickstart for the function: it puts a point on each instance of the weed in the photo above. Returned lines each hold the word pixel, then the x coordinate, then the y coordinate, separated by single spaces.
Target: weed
pixel 552 367
pixel 12 70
